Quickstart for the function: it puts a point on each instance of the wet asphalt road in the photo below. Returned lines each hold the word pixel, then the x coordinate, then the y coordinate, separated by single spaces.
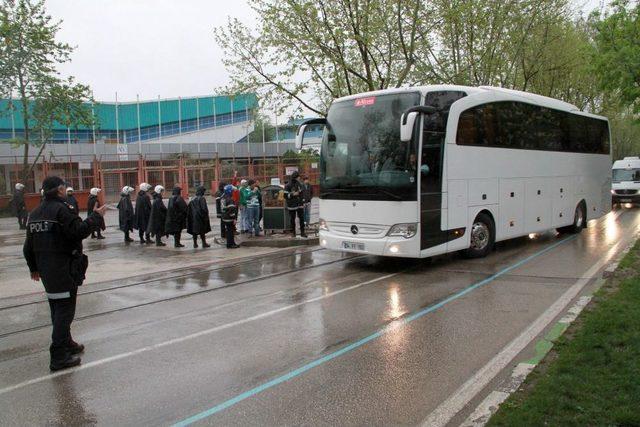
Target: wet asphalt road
pixel 225 341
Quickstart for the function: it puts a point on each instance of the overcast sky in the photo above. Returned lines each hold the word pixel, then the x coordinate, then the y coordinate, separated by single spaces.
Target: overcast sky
pixel 146 47
pixel 151 47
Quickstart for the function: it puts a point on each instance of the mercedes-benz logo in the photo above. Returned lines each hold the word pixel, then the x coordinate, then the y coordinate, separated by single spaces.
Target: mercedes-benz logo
pixel 354 229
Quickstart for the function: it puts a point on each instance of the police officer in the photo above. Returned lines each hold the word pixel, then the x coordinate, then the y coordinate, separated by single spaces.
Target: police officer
pixel 295 206
pixel 71 199
pixel 53 250
pixel 18 207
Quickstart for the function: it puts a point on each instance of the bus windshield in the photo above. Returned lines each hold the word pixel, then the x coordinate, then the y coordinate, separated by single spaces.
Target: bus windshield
pixel 620 175
pixel 362 157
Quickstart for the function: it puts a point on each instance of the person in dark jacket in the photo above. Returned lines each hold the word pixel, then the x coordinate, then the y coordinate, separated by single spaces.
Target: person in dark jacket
pixel 198 223
pixel 158 216
pixel 307 195
pixel 229 215
pixel 53 251
pixel 92 204
pixel 71 199
pixel 142 213
pixel 126 216
pixel 293 197
pixel 218 195
pixel 18 207
pixel 176 216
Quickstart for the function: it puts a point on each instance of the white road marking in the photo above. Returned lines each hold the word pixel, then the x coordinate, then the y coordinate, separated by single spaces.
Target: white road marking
pixel 189 337
pixel 465 393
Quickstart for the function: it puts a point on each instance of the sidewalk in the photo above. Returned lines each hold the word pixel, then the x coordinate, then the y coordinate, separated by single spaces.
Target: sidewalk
pixel 112 259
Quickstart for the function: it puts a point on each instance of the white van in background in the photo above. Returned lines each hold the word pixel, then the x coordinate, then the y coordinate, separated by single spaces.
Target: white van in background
pixel 625 187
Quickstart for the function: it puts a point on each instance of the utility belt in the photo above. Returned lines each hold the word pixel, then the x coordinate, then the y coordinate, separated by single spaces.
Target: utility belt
pixel 78 267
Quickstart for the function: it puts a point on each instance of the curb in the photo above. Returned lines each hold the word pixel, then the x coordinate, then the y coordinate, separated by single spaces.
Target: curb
pixel 490 405
pixel 275 243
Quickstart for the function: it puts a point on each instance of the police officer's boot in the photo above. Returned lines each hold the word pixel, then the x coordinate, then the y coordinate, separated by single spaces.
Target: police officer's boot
pixel 149 241
pixel 195 242
pixel 204 242
pixel 159 241
pixel 177 243
pixel 61 358
pixel 75 348
pixel 127 239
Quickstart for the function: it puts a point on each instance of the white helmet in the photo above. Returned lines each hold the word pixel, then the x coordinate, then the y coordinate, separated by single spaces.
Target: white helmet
pixel 144 186
pixel 19 186
pixel 94 191
pixel 69 190
pixel 127 190
pixel 159 189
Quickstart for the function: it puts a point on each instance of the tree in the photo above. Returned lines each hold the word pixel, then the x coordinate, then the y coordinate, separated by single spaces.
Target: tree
pixel 307 53
pixel 29 54
pixel 321 49
pixel 616 55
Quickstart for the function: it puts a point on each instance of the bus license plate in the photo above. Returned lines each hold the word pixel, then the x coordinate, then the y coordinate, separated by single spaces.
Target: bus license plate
pixel 353 246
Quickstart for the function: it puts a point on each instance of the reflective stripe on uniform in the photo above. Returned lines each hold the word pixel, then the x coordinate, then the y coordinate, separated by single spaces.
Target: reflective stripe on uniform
pixel 59 295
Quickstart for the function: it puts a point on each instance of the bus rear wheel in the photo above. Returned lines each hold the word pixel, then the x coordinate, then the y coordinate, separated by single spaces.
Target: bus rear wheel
pixel 483 237
pixel 579 221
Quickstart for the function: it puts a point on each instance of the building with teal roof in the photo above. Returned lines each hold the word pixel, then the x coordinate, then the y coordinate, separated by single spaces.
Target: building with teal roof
pixel 144 121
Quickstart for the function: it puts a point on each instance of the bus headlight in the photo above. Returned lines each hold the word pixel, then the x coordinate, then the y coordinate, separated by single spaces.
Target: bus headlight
pixel 403 230
pixel 322 225
pixel 613 191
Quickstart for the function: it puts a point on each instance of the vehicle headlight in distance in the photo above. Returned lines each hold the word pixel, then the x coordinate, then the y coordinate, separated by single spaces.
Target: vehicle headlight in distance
pixel 613 191
pixel 322 225
pixel 403 230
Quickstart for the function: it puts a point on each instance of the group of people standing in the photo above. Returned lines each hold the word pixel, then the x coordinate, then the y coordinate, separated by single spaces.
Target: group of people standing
pixel 153 219
pixel 238 203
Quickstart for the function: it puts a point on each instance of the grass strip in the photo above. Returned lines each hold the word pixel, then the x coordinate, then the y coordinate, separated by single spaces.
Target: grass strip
pixel 592 375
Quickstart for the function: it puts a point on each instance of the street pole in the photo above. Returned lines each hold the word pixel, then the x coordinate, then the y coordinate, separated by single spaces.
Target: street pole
pixel 139 132
pixel 93 129
pixel 117 122
pixel 159 126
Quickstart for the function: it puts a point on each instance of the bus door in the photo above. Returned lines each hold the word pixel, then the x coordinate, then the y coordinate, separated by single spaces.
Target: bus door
pixel 430 170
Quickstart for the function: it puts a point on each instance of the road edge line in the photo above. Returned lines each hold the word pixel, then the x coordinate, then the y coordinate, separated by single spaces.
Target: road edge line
pixel 456 402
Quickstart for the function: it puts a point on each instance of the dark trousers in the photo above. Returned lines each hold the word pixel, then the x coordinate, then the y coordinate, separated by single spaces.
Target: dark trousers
pixel 62 314
pixel 22 219
pixel 142 235
pixel 158 239
pixel 223 229
pixel 229 232
pixel 292 218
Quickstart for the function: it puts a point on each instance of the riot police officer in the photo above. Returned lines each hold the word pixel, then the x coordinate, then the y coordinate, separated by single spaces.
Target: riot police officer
pixel 53 250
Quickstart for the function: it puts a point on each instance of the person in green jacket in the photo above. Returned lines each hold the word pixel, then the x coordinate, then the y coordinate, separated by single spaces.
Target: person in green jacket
pixel 245 191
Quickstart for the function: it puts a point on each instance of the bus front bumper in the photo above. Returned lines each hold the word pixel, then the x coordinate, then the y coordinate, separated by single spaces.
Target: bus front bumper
pixel 385 246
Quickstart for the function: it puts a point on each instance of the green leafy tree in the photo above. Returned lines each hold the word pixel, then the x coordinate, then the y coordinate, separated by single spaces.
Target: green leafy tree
pixel 616 55
pixel 307 53
pixel 29 55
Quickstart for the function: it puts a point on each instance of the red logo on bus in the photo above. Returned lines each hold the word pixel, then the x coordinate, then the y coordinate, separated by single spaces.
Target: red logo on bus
pixel 363 102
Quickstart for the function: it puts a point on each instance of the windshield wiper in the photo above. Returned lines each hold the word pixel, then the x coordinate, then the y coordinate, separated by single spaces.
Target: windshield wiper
pixel 389 193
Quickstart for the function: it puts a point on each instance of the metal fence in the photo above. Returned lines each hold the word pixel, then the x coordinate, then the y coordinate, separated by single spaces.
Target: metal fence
pixel 111 172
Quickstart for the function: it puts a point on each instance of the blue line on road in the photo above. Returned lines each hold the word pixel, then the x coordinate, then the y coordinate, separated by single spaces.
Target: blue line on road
pixel 393 325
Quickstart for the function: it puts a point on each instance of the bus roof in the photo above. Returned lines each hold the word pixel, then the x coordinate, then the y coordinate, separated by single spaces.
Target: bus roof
pixel 480 91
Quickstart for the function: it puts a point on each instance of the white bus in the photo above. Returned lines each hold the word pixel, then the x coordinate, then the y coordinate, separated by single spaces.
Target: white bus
pixel 421 171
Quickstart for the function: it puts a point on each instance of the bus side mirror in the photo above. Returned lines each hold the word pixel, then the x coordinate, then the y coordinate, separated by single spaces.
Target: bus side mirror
pixel 303 128
pixel 408 120
pixel 300 137
pixel 407 123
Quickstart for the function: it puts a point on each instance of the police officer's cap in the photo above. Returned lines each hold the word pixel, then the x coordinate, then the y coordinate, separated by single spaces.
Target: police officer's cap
pixel 51 182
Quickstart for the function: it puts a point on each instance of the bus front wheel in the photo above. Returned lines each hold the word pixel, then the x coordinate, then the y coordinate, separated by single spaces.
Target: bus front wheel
pixel 483 237
pixel 579 221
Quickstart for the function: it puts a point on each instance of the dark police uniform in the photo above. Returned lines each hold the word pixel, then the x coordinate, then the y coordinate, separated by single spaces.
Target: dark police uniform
pixel 53 248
